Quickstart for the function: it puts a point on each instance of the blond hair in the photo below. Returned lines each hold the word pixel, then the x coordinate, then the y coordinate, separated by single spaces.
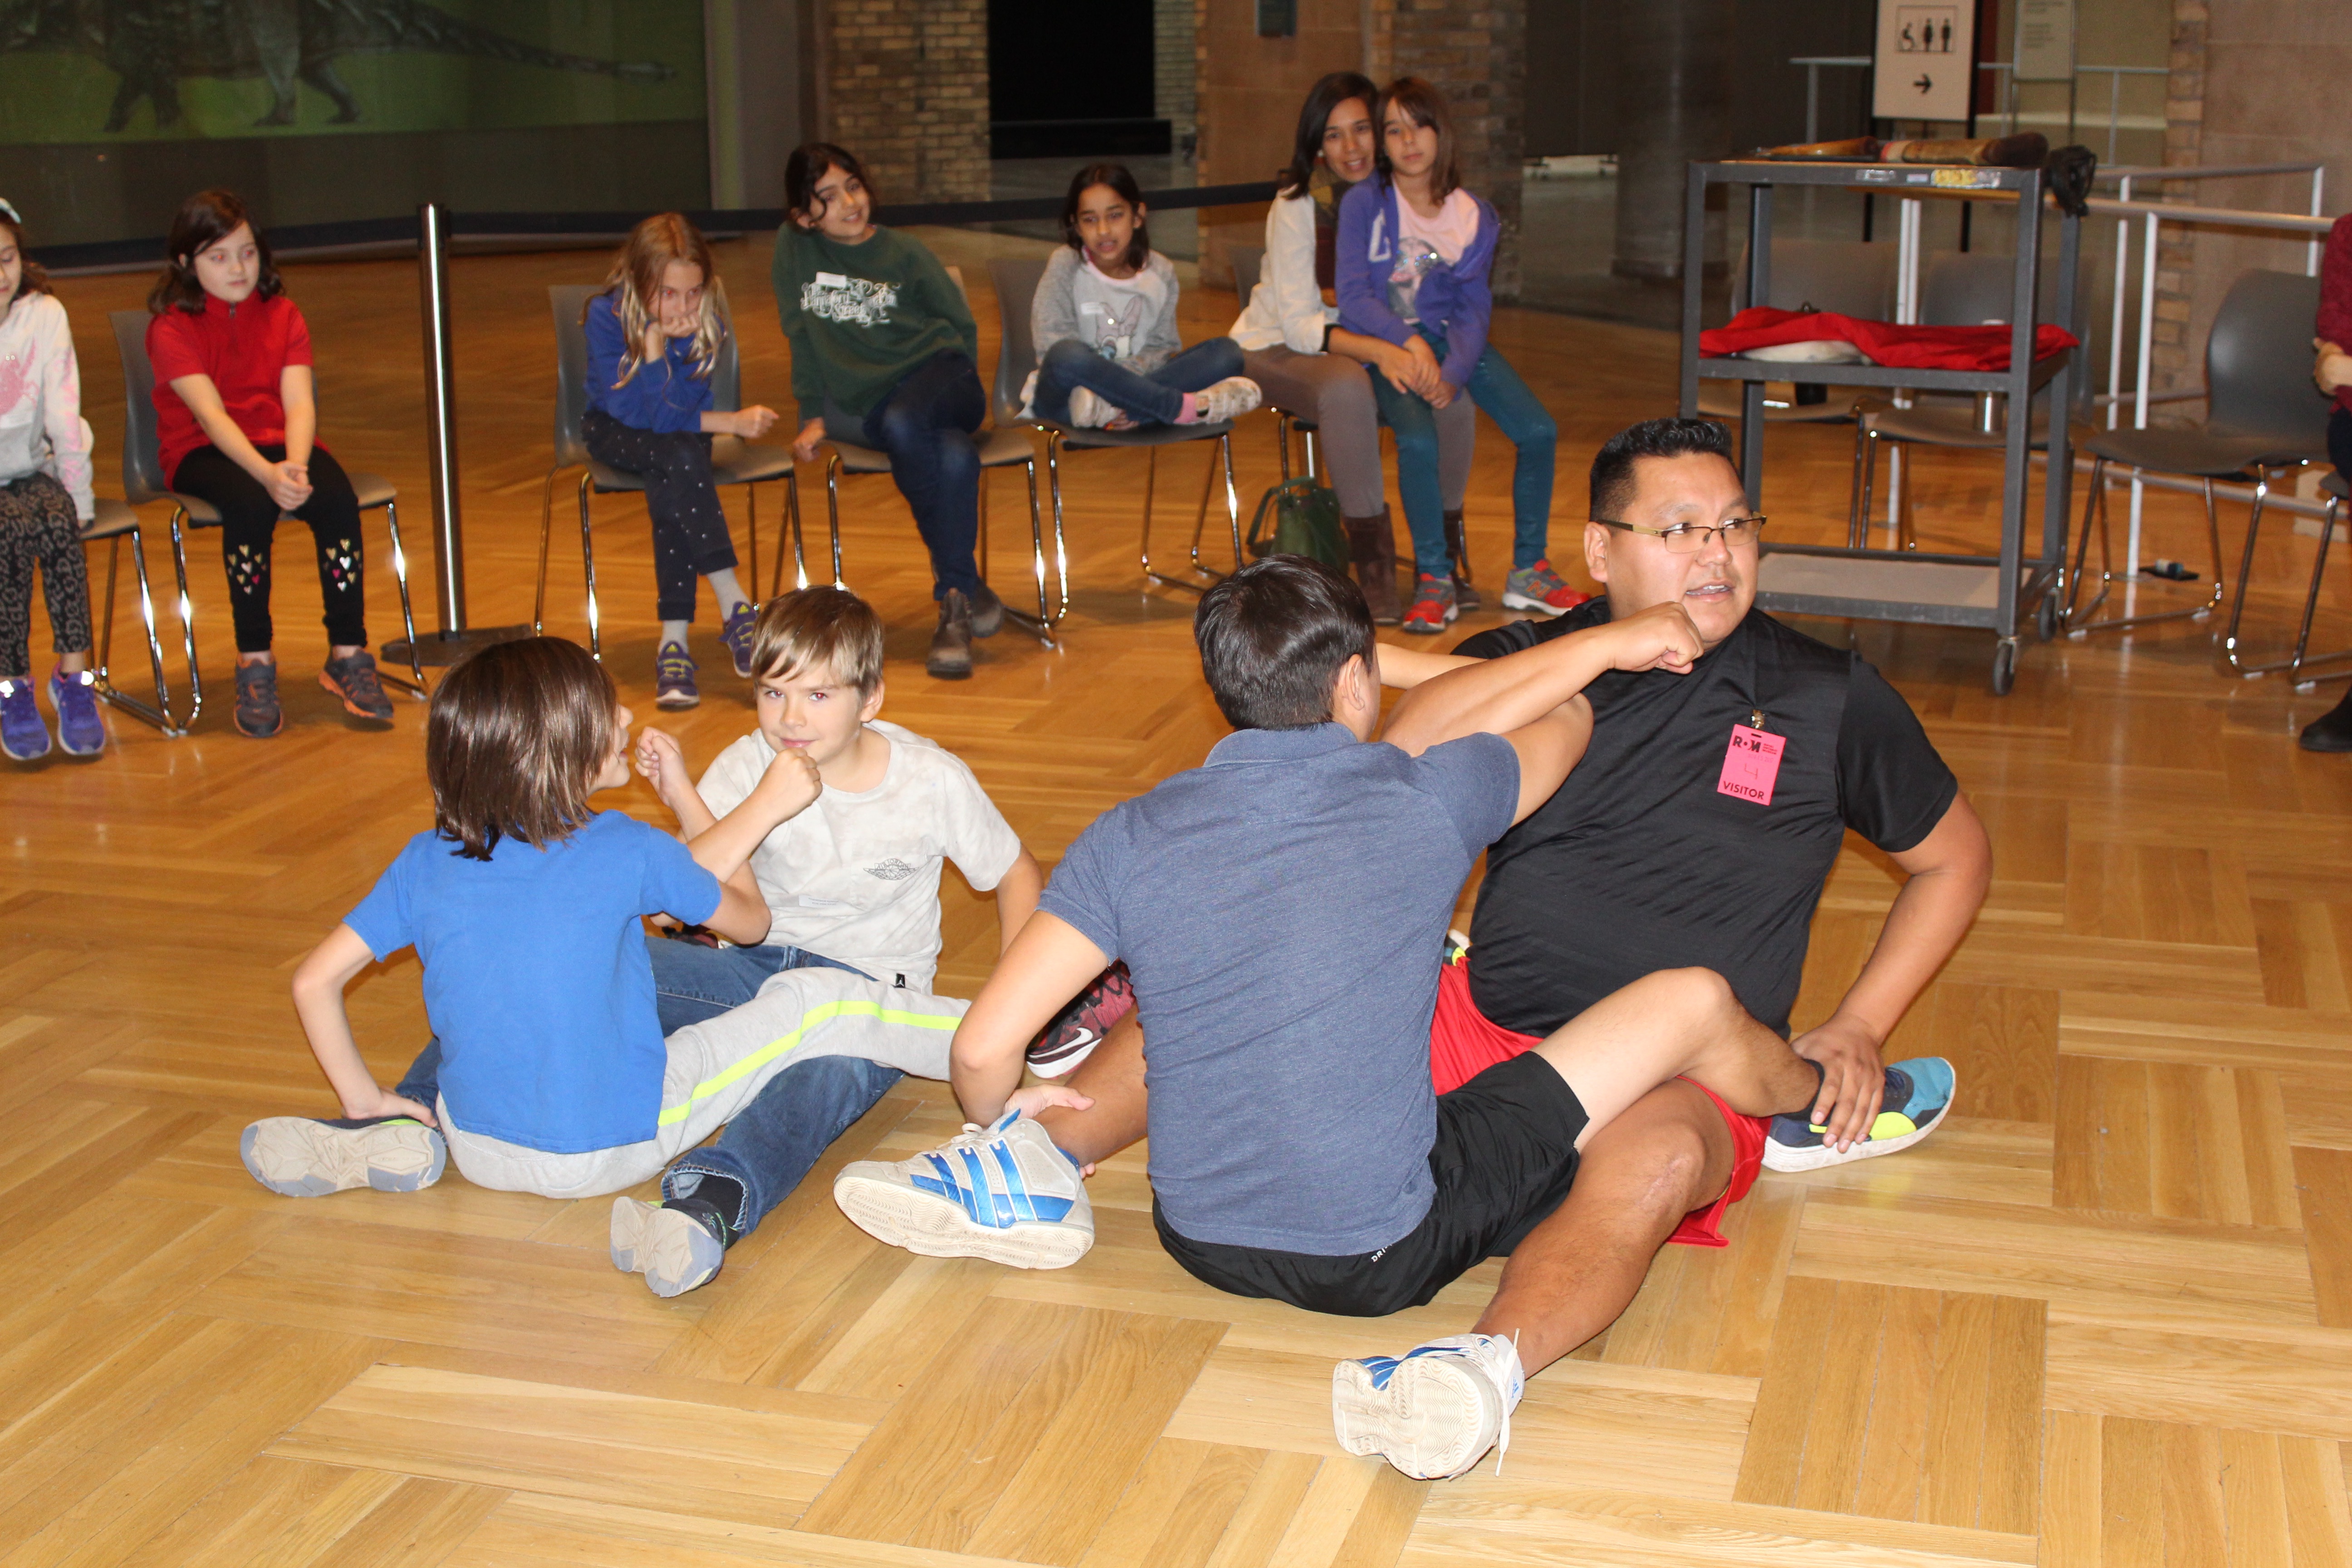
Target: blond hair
pixel 821 625
pixel 635 280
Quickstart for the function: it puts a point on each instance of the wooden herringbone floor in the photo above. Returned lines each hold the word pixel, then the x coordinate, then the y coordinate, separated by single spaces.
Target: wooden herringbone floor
pixel 2103 1319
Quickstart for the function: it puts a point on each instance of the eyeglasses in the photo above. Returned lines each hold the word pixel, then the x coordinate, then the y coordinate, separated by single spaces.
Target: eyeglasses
pixel 1689 538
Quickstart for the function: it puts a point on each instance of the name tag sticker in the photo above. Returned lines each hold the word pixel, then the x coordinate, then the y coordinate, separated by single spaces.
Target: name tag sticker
pixel 1751 765
pixel 831 280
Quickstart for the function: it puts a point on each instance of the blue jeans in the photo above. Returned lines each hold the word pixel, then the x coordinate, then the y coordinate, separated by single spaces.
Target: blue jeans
pixel 925 423
pixel 1154 397
pixel 1495 387
pixel 783 1132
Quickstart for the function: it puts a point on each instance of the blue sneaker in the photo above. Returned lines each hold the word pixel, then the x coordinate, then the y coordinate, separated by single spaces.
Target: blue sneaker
pixel 22 734
pixel 1918 1092
pixel 737 635
pixel 1434 1411
pixel 1003 1192
pixel 75 697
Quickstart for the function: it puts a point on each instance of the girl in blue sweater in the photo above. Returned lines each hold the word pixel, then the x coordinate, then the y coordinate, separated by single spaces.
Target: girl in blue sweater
pixel 653 341
pixel 1414 251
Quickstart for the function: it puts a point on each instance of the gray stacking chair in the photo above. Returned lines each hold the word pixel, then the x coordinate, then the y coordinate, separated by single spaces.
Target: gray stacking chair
pixel 143 481
pixel 1249 260
pixel 1001 447
pixel 114 520
pixel 2262 416
pixel 733 461
pixel 1016 287
pixel 1957 288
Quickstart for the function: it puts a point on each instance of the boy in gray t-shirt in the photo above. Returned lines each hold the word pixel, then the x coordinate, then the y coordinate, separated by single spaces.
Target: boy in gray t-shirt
pixel 1282 910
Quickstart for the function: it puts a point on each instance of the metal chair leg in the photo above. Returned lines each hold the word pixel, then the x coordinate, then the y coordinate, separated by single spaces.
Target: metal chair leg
pixel 980 558
pixel 415 684
pixel 1282 440
pixel 187 618
pixel 160 715
pixel 833 510
pixel 2230 647
pixel 546 516
pixel 1314 459
pixel 1857 503
pixel 2310 605
pixel 588 572
pixel 1041 624
pixel 2075 620
pixel 789 526
pixel 1233 499
pixel 752 501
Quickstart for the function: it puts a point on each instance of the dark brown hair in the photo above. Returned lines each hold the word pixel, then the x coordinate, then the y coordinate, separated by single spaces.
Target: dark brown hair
pixel 203 221
pixel 517 733
pixel 1613 479
pixel 1421 104
pixel 1314 117
pixel 807 165
pixel 1121 185
pixel 30 278
pixel 1274 638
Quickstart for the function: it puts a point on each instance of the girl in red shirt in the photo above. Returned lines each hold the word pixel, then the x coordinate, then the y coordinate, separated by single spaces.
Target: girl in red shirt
pixel 238 426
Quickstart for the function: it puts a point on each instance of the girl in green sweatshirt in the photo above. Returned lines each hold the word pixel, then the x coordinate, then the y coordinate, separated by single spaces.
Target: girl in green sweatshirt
pixel 885 355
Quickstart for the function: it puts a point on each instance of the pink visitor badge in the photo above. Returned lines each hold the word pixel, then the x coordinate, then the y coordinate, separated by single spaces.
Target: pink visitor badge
pixel 1751 764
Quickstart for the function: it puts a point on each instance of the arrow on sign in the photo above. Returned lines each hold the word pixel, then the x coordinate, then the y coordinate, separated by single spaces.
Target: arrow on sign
pixel 1924 83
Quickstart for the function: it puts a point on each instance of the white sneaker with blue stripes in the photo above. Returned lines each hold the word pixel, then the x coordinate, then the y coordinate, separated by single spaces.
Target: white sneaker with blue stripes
pixel 1434 1411
pixel 1003 1192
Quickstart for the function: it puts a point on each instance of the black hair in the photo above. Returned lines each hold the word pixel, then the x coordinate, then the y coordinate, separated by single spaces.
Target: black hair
pixel 1314 115
pixel 1612 466
pixel 807 165
pixel 203 221
pixel 1421 105
pixel 1274 638
pixel 1114 176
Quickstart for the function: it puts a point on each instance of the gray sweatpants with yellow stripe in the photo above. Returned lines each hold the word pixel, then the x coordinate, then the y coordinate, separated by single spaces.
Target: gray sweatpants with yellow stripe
pixel 718 1067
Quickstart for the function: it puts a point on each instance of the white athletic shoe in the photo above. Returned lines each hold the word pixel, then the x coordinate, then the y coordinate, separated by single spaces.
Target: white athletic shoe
pixel 1434 1411
pixel 299 1157
pixel 674 1250
pixel 1003 1192
pixel 1229 399
pixel 1088 412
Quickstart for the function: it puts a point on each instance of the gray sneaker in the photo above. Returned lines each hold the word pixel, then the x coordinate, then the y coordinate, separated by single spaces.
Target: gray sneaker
pixel 301 1157
pixel 1229 399
pixel 257 714
pixel 354 679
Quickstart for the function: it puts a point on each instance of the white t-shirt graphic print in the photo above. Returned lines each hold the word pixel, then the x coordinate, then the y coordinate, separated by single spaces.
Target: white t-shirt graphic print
pixel 856 877
pixel 1113 313
pixel 856 301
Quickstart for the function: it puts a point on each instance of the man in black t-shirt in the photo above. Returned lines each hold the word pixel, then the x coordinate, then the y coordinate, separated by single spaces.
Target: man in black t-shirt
pixel 1698 830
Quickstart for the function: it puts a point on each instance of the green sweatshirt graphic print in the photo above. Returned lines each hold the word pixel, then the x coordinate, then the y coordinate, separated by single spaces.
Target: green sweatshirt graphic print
pixel 859 316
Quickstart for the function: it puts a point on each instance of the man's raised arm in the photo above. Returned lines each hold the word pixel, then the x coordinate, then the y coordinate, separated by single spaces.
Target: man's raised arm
pixel 1496 696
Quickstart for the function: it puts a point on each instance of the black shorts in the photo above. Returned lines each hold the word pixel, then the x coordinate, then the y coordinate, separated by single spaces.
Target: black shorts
pixel 1505 1156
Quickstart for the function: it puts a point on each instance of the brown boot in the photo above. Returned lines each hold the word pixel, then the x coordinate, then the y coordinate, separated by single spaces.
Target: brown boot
pixel 950 657
pixel 1372 543
pixel 1457 548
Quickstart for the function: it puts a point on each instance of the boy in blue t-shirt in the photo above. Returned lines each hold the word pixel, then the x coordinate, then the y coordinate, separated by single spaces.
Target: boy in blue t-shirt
pixel 525 905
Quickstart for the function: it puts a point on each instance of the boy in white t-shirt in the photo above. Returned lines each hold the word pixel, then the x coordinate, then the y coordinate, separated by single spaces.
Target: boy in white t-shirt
pixel 852 881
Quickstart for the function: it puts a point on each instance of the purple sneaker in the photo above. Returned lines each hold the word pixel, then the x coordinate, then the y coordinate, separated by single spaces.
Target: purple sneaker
pixel 22 734
pixel 75 697
pixel 737 635
pixel 673 678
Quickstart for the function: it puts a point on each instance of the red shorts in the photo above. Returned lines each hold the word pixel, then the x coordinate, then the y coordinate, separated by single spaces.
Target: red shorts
pixel 1463 1042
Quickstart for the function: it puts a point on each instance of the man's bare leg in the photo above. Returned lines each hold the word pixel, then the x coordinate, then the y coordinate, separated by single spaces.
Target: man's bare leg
pixel 1579 1270
pixel 1112 1076
pixel 1676 1022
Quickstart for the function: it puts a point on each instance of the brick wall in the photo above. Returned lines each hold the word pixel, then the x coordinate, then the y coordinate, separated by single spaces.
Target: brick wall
pixel 2177 362
pixel 1475 51
pixel 1174 29
pixel 905 89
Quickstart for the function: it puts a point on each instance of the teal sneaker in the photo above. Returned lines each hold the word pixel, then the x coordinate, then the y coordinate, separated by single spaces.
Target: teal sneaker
pixel 1918 1092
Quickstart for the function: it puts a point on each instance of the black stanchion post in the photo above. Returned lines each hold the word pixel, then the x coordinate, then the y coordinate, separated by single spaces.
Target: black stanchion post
pixel 456 638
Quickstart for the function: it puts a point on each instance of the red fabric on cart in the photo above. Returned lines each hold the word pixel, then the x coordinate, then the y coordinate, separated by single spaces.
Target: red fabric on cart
pixel 1903 347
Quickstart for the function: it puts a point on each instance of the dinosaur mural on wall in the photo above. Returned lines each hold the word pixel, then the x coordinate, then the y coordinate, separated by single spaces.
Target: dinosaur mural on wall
pixel 152 45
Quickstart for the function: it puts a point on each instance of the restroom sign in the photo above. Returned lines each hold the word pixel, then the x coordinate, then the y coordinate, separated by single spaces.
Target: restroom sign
pixel 1926 59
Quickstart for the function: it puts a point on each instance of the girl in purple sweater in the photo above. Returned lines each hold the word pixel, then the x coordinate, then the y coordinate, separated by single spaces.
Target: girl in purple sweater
pixel 1414 251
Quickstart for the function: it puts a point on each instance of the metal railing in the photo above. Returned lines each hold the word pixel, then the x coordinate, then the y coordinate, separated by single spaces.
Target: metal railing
pixel 2007 90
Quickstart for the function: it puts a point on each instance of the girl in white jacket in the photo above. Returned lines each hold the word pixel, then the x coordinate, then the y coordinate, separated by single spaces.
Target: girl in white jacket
pixel 45 499
pixel 1293 346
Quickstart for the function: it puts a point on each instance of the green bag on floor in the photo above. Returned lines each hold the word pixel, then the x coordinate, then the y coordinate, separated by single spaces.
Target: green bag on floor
pixel 1306 522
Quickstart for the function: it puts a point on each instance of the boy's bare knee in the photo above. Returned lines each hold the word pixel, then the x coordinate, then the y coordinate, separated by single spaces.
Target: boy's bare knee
pixel 1658 1167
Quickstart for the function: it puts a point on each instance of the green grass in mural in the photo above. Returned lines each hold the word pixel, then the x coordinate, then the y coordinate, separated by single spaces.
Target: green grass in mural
pixel 174 69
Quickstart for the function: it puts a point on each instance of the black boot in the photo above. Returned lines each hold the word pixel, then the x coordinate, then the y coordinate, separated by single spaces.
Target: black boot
pixel 1371 543
pixel 951 643
pixel 2332 731
pixel 1457 548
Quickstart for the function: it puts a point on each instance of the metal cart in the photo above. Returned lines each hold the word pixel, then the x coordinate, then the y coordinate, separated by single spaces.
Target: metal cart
pixel 1907 584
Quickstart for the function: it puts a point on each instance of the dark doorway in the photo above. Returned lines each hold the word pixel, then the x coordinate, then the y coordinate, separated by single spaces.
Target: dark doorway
pixel 1071 79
